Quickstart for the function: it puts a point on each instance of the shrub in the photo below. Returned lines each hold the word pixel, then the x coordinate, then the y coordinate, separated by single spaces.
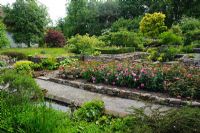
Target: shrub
pixel 84 44
pixel 54 38
pixel 116 50
pixel 17 55
pixel 23 66
pixel 128 75
pixel 22 88
pixel 125 39
pixel 163 53
pixel 126 24
pixel 90 111
pixel 153 24
pixel 188 48
pixel 49 64
pixel 184 120
pixel 192 36
pixel 185 88
pixel 176 29
pixel 169 38
pixel 189 24
pixel 67 61
pixel 4 42
pixel 150 77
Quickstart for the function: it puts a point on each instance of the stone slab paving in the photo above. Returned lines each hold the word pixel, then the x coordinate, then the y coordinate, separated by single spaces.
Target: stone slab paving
pixel 113 105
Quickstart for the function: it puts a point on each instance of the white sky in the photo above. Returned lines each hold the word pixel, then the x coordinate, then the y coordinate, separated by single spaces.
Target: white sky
pixel 56 8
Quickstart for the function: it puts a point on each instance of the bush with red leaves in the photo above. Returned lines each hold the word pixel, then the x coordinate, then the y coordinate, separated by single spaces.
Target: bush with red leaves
pixel 54 38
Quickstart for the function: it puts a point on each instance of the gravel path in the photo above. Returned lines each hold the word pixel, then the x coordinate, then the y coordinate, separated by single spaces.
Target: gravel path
pixel 113 105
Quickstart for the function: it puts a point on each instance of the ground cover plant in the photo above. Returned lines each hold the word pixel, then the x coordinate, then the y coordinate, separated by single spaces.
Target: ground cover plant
pixel 175 80
pixel 20 112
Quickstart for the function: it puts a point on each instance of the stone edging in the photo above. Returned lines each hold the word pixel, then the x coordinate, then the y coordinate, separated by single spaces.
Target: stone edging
pixel 128 94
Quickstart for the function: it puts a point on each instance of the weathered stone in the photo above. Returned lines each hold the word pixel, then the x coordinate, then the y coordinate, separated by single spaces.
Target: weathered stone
pixel 195 104
pixel 175 101
pixel 196 50
pixel 124 93
pixel 70 76
pixel 117 57
pixel 145 96
pixel 110 92
pixel 113 105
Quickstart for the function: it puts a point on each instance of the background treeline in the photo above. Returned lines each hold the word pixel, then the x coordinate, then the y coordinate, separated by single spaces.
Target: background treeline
pixel 94 16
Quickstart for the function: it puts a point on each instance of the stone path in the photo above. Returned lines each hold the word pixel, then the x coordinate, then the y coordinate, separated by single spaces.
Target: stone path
pixel 113 105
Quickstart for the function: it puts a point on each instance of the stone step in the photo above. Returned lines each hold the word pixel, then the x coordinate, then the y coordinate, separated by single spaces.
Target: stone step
pixel 113 105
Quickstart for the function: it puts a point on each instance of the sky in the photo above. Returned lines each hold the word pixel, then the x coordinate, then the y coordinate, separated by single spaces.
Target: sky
pixel 56 8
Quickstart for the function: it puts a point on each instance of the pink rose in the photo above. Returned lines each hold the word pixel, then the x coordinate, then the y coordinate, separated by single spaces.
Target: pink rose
pixel 142 85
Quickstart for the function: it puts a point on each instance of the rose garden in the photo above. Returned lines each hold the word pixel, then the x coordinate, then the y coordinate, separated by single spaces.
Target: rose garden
pixel 113 66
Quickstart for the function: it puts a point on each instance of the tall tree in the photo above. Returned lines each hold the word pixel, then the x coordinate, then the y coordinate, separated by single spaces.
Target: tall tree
pixel 90 16
pixel 108 12
pixel 3 37
pixel 27 20
pixel 81 17
pixel 132 8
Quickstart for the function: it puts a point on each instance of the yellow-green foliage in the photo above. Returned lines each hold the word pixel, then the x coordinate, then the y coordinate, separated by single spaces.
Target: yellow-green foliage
pixel 23 66
pixel 153 24
pixel 84 44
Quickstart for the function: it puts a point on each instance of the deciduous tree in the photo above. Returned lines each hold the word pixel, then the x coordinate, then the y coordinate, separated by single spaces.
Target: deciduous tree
pixel 27 20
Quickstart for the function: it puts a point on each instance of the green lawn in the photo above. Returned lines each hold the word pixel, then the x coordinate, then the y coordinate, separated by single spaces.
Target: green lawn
pixel 39 51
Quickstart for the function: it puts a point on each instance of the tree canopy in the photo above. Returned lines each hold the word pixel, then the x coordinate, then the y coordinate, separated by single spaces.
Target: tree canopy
pixel 94 16
pixel 3 38
pixel 27 20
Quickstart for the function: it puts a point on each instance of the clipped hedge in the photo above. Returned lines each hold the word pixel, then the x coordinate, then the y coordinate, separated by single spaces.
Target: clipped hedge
pixel 116 50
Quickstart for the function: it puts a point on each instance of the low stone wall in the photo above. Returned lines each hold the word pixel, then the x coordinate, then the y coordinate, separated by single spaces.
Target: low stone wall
pixel 117 57
pixel 36 59
pixel 128 94
pixel 101 58
pixel 190 61
pixel 196 50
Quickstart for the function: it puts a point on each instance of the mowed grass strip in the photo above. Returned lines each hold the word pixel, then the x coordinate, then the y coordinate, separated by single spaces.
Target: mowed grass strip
pixel 39 51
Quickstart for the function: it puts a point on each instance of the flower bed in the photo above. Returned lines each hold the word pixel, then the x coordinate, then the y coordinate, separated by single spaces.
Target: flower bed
pixel 176 80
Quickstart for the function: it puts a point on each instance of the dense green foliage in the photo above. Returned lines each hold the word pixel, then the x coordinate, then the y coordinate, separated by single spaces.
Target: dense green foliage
pixel 153 24
pixel 163 53
pixel 169 38
pixel 116 50
pixel 22 109
pixel 3 37
pixel 23 67
pixel 90 111
pixel 84 44
pixel 124 39
pixel 93 17
pixel 126 24
pixel 89 17
pixel 27 20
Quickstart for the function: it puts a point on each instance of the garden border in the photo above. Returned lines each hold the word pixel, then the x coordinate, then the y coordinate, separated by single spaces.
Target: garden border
pixel 128 94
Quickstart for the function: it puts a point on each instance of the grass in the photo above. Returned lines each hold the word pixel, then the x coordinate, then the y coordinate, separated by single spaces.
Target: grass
pixel 39 51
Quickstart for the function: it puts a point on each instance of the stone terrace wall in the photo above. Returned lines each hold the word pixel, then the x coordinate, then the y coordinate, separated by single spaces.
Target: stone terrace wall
pixel 102 58
pixel 117 57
